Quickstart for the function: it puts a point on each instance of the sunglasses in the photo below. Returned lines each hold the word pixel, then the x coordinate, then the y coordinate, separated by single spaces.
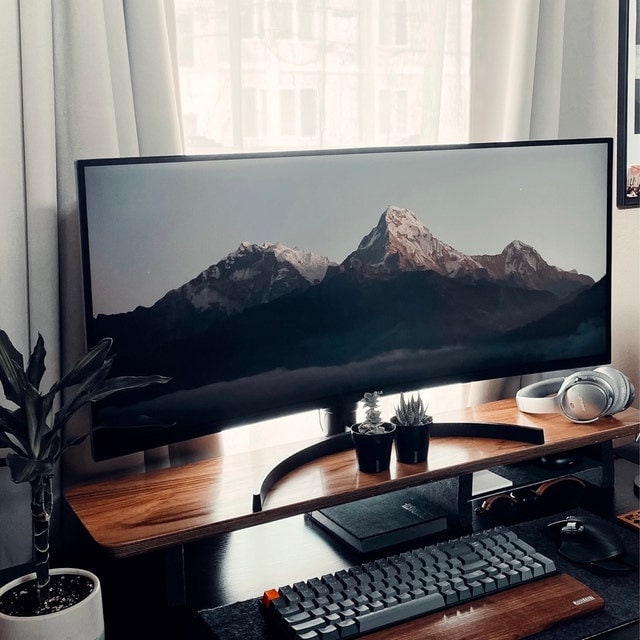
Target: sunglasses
pixel 550 496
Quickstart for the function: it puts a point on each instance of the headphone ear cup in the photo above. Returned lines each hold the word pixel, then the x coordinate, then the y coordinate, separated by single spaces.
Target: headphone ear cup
pixel 622 387
pixel 586 395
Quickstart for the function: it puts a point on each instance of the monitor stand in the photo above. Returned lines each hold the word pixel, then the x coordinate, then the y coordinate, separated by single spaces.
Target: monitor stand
pixel 337 418
pixel 342 441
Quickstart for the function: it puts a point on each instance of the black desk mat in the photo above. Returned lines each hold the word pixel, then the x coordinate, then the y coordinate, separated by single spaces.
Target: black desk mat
pixel 243 620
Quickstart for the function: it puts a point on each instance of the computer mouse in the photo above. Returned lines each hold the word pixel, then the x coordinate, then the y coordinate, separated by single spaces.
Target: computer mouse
pixel 561 460
pixel 586 539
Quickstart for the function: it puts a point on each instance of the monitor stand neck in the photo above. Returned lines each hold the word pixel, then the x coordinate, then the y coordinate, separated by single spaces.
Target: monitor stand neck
pixel 337 418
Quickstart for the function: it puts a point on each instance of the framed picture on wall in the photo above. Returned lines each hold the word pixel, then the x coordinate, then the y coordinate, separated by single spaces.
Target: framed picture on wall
pixel 628 179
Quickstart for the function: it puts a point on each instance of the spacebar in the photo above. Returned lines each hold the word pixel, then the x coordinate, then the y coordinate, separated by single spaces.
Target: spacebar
pixel 399 612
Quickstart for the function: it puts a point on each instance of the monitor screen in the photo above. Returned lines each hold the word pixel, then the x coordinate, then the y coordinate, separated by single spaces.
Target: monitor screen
pixel 270 283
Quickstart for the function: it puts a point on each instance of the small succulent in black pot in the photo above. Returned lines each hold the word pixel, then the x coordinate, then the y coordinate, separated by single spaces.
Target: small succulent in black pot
pixel 373 437
pixel 412 430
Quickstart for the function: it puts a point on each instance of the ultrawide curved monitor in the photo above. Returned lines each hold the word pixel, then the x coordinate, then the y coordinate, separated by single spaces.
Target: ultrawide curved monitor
pixel 269 283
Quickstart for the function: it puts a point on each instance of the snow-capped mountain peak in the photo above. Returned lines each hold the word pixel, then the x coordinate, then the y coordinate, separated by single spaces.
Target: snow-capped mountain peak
pixel 253 274
pixel 521 265
pixel 259 273
pixel 401 242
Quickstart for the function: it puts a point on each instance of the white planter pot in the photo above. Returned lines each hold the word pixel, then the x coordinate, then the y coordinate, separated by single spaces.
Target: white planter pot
pixel 82 621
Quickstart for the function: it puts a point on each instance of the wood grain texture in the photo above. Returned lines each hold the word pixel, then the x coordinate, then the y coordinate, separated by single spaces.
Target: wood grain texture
pixel 159 509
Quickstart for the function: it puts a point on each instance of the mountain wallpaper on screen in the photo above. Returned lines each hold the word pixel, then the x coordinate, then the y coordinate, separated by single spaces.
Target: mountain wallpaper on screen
pixel 269 321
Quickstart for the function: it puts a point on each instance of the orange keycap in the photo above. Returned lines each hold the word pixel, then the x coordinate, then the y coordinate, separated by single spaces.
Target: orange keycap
pixel 268 596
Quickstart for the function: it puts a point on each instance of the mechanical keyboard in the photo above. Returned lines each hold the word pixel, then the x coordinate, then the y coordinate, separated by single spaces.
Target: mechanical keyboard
pixel 362 599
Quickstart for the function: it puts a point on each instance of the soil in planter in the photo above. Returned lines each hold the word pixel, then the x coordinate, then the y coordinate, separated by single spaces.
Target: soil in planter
pixel 65 590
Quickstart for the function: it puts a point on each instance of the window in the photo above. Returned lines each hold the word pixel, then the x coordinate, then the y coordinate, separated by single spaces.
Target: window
pixel 308 112
pixel 287 112
pixel 325 73
pixel 184 29
pixel 399 23
pixel 294 19
pixel 393 23
pixel 306 15
pixel 253 113
pixel 251 19
pixel 282 18
pixel 393 111
pixel 298 113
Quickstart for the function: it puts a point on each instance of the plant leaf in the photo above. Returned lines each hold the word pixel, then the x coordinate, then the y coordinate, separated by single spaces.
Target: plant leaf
pixel 124 383
pixel 51 446
pixel 107 388
pixel 95 379
pixel 13 423
pixel 89 363
pixel 26 469
pixel 83 394
pixel 12 375
pixel 35 366
pixel 71 442
pixel 5 442
pixel 9 422
pixel 36 421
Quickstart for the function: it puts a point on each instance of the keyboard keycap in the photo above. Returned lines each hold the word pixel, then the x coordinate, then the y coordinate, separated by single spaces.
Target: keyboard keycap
pixel 384 617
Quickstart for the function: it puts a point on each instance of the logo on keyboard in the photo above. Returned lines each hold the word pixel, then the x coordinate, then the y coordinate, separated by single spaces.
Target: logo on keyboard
pixel 584 600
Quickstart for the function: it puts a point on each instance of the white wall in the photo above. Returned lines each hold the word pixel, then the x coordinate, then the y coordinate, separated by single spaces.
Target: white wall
pixel 593 112
pixel 626 288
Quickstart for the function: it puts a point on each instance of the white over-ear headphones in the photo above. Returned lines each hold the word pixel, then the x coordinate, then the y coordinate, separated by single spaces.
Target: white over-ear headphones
pixel 583 396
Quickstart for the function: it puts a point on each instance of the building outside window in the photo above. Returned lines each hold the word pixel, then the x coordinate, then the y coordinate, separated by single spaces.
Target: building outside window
pixel 337 73
pixel 254 116
pixel 251 19
pixel 393 24
pixel 393 112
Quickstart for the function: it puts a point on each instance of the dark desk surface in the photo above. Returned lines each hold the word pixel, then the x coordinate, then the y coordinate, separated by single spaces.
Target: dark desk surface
pixel 243 620
pixel 293 549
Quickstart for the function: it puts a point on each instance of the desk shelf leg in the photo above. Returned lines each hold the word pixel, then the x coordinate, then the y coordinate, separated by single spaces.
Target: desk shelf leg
pixel 465 508
pixel 175 586
pixel 608 471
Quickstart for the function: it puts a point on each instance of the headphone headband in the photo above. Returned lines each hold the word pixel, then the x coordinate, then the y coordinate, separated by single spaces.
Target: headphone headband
pixel 540 397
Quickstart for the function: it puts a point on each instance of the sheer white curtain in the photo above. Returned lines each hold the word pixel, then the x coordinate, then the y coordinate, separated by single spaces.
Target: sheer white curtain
pixel 80 79
pixel 543 69
pixel 28 237
pixel 259 74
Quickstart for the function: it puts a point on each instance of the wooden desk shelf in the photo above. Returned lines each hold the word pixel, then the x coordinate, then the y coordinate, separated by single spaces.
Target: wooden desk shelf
pixel 161 509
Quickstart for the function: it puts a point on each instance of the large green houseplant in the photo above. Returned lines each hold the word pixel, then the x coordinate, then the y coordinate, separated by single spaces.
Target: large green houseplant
pixel 33 433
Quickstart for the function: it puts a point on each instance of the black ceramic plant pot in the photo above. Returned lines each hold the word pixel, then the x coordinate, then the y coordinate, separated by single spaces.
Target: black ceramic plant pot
pixel 412 443
pixel 373 451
